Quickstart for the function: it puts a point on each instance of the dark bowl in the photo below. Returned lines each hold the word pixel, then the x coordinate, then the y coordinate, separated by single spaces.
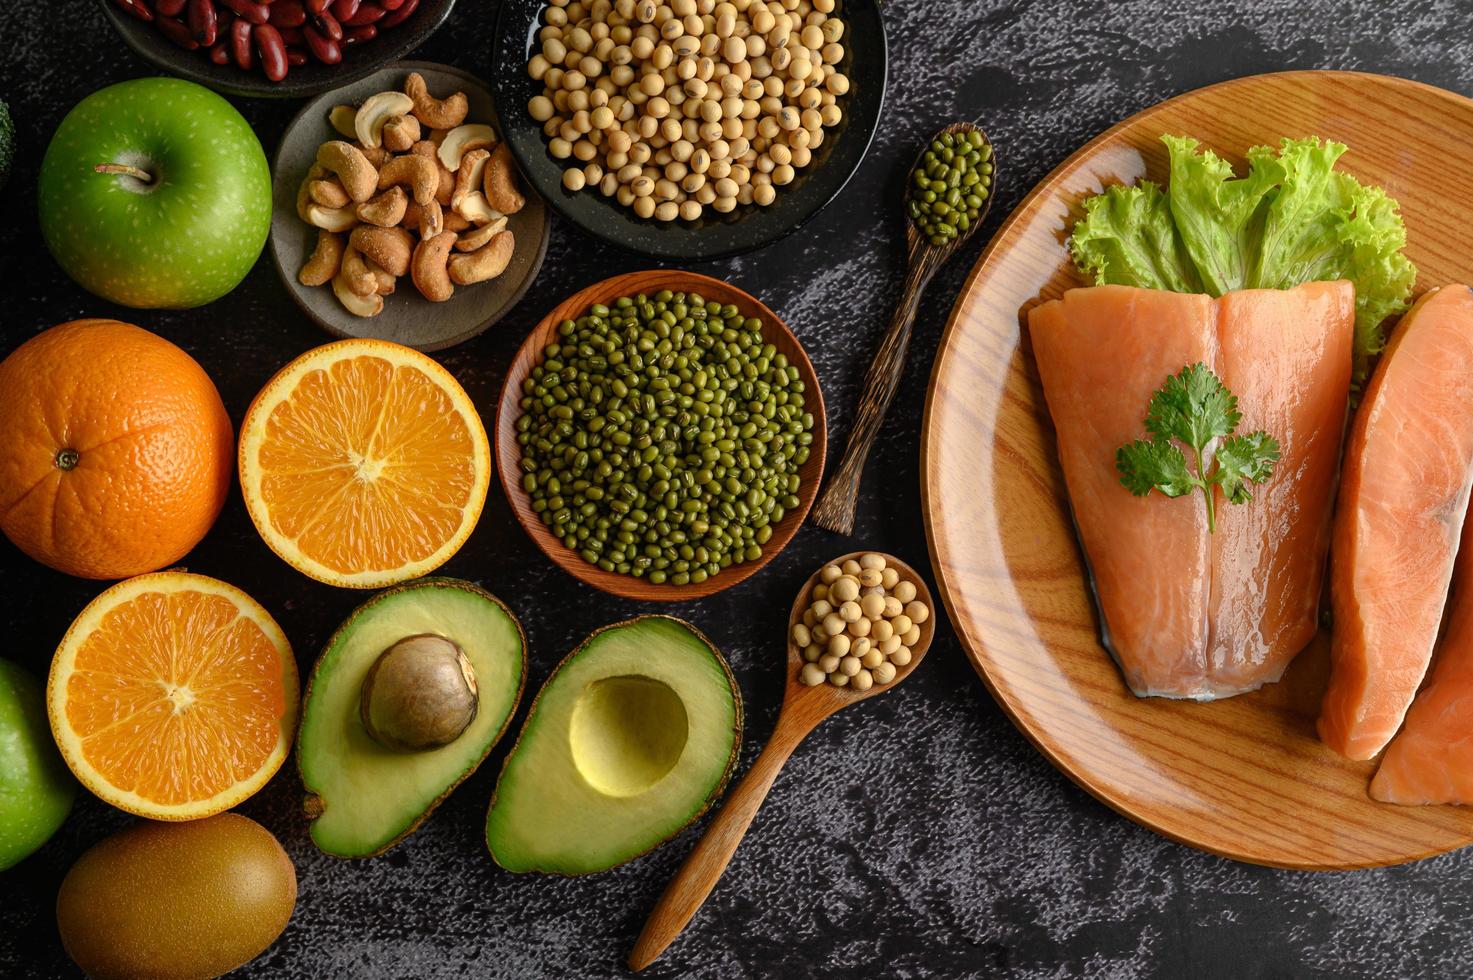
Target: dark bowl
pixel 713 236
pixel 310 79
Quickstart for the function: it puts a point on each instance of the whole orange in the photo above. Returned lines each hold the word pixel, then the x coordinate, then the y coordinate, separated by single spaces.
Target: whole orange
pixel 115 449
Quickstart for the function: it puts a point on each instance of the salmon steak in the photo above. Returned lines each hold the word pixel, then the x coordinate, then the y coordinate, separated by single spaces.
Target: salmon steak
pixel 1403 500
pixel 1184 611
pixel 1431 759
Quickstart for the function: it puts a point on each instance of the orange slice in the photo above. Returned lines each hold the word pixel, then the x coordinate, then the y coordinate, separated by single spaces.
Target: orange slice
pixel 173 696
pixel 364 464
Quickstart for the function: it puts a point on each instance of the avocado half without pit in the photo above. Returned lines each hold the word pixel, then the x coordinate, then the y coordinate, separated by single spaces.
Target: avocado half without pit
pixel 631 739
pixel 408 698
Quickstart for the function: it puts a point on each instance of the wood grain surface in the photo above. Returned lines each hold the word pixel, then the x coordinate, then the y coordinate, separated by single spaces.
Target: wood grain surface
pixel 509 452
pixel 803 708
pixel 1244 777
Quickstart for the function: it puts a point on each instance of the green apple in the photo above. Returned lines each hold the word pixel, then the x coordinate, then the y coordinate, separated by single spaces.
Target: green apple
pixel 155 193
pixel 36 789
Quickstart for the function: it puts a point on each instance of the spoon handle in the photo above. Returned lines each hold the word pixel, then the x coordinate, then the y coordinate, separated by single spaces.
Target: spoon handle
pixel 835 507
pixel 703 866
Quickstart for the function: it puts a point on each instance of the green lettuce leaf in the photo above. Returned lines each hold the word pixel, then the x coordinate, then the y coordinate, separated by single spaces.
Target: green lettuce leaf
pixel 1293 218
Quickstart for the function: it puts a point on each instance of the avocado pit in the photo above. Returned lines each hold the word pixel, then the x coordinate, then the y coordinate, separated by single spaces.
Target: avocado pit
pixel 419 694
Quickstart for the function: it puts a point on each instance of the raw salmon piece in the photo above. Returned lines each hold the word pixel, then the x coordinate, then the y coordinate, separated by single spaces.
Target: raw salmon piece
pixel 1403 497
pixel 1286 354
pixel 1431 760
pixel 1101 353
pixel 1185 613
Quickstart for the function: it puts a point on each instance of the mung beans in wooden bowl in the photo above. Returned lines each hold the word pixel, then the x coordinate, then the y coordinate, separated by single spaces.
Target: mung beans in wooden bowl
pixel 599 452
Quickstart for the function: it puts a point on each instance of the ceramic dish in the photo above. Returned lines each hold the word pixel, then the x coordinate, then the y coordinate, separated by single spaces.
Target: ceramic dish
pixel 509 453
pixel 408 318
pixel 300 82
pixel 1244 777
pixel 714 235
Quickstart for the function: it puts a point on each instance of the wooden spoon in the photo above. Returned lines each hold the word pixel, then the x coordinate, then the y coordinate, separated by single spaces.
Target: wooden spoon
pixel 835 507
pixel 803 708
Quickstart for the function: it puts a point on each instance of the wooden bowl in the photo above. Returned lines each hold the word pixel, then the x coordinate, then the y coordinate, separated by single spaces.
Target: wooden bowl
pixel 408 318
pixel 509 453
pixel 309 79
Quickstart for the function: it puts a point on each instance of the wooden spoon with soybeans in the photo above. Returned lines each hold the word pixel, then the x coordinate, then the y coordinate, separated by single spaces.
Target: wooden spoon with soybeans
pixel 805 704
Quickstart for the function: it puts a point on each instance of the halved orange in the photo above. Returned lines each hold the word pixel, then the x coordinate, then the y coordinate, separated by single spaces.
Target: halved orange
pixel 173 696
pixel 364 463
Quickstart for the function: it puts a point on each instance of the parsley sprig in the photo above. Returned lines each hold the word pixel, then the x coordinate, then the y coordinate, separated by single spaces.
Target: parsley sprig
pixel 1194 408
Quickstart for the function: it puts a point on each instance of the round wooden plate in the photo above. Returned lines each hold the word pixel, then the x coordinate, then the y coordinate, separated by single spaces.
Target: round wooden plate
pixel 1245 777
pixel 509 452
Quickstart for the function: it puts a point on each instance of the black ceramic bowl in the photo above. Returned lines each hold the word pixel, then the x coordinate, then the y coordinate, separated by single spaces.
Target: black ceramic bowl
pixel 714 235
pixel 309 79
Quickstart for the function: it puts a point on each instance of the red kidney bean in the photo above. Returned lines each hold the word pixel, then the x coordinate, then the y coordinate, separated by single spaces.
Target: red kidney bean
pixel 256 13
pixel 169 8
pixel 220 53
pixel 357 35
pixel 287 13
pixel 368 13
pixel 324 49
pixel 327 25
pixel 399 16
pixel 317 6
pixel 343 9
pixel 175 31
pixel 291 36
pixel 392 4
pixel 240 44
pixel 138 8
pixel 202 23
pixel 271 50
pixel 296 57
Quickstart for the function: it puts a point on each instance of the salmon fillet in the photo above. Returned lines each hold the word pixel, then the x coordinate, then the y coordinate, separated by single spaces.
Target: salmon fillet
pixel 1431 759
pixel 1403 499
pixel 1185 613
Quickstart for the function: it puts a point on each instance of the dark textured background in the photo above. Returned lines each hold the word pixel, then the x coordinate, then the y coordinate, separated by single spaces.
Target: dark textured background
pixel 917 835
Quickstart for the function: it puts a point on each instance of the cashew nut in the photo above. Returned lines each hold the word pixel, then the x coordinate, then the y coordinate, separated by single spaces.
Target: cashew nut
pixel 484 263
pixel 431 277
pixel 328 192
pixel 501 182
pixel 341 117
pixel 400 133
pixel 331 219
pixel 355 273
pixel 412 216
pixel 472 240
pixel 324 261
pixel 475 209
pixel 388 248
pixel 447 179
pixel 464 138
pixel 431 220
pixel 371 305
pixel 468 177
pixel 376 155
pixel 414 171
pixel 436 113
pixel 353 170
pixel 377 110
pixel 386 280
pixel 385 210
pixel 304 198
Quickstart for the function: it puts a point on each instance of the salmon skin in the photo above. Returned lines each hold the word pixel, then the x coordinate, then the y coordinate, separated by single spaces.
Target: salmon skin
pixel 1403 500
pixel 1184 612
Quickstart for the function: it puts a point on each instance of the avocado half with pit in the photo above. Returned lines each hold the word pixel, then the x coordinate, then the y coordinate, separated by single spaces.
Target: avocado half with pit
pixel 407 700
pixel 631 739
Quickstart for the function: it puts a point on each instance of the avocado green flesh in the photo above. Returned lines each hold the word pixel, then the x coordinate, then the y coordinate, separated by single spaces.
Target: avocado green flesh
pixel 628 742
pixel 371 796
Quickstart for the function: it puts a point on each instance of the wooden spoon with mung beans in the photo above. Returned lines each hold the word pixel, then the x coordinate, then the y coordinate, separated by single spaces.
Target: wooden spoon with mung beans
pixel 925 256
pixel 803 707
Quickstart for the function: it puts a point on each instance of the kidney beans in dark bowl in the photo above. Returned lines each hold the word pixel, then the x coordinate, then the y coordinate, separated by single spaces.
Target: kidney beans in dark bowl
pixel 274 48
